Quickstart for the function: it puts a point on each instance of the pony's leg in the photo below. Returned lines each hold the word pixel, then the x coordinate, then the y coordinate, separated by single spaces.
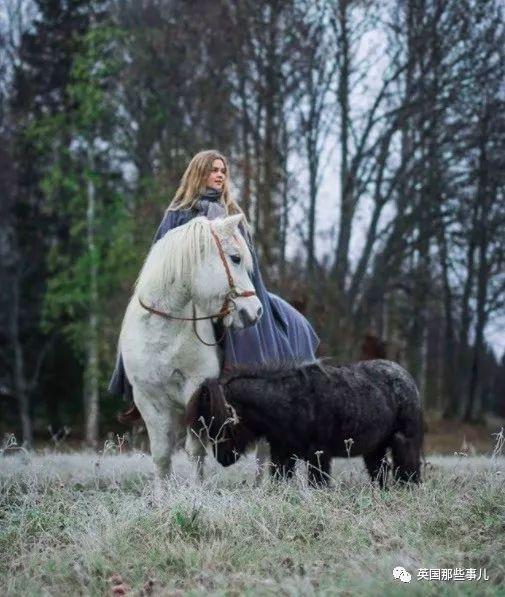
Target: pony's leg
pixel 283 465
pixel 377 465
pixel 262 460
pixel 319 470
pixel 160 428
pixel 283 469
pixel 406 458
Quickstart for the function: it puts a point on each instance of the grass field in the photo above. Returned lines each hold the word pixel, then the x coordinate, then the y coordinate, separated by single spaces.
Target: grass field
pixel 81 524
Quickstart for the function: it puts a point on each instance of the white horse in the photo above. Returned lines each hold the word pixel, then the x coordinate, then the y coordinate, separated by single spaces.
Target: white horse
pixel 196 273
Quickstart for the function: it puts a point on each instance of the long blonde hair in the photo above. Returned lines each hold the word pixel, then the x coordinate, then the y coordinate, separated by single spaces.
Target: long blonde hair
pixel 194 179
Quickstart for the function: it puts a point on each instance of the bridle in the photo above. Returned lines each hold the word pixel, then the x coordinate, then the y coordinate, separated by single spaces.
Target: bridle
pixel 228 303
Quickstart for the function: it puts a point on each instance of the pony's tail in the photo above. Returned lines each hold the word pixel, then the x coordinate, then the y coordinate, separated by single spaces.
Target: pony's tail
pixel 130 416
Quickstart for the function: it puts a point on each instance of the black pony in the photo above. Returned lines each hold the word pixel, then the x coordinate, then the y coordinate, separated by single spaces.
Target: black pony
pixel 315 412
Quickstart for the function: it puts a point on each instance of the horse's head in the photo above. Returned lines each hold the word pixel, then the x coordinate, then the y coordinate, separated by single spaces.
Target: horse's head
pixel 208 263
pixel 212 419
pixel 222 281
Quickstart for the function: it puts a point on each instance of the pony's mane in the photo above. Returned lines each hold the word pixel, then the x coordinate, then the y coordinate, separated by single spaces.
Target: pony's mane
pixel 272 370
pixel 218 417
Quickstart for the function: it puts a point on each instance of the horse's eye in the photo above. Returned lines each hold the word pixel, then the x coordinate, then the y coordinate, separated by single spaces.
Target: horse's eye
pixel 236 259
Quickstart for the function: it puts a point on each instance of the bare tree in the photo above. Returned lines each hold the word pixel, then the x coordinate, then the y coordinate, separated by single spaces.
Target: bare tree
pixel 315 76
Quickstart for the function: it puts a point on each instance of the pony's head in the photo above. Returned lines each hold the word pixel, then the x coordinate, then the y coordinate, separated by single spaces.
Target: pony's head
pixel 208 263
pixel 212 419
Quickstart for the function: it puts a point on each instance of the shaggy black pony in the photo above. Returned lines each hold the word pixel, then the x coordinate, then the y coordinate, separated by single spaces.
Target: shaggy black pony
pixel 315 412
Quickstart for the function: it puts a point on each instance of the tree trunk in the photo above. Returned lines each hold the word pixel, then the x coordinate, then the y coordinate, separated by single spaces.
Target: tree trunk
pixel 482 237
pixel 91 373
pixel 246 165
pixel 270 181
pixel 479 340
pixel 313 161
pixel 19 377
pixel 482 284
pixel 285 201
pixel 346 195
pixel 450 394
pixel 455 407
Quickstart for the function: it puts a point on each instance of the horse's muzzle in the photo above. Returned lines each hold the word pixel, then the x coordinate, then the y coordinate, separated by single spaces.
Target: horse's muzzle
pixel 246 319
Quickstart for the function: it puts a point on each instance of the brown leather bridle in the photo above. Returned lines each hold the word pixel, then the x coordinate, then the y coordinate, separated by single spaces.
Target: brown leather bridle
pixel 225 310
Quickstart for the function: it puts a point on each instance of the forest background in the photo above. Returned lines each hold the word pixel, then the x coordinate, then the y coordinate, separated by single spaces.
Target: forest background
pixel 367 148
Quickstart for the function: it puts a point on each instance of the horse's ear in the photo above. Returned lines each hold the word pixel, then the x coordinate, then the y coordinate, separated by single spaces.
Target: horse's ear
pixel 228 226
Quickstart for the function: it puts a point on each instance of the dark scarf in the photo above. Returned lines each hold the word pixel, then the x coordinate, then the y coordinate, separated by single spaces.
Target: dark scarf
pixel 211 194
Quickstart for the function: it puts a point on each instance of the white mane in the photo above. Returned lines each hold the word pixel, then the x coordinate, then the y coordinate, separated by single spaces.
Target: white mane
pixel 176 255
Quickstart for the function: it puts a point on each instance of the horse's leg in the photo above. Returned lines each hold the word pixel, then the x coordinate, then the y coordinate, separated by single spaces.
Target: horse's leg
pixel 195 448
pixel 160 428
pixel 262 460
pixel 406 458
pixel 319 470
pixel 183 435
pixel 377 466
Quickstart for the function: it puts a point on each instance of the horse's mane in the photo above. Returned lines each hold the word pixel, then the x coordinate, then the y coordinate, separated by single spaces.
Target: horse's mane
pixel 176 254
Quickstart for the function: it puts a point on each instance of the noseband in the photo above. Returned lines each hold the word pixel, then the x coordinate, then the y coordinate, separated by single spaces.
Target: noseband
pixel 228 303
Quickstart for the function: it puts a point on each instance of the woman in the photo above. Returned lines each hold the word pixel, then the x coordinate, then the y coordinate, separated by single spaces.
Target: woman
pixel 282 334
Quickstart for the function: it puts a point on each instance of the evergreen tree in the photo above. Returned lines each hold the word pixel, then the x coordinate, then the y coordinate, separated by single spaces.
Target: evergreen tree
pixel 39 91
pixel 82 184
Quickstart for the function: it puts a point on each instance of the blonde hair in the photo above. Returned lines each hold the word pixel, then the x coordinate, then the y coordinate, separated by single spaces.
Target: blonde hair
pixel 194 182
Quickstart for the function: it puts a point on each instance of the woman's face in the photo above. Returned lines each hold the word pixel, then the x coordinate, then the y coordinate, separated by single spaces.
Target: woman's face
pixel 217 175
